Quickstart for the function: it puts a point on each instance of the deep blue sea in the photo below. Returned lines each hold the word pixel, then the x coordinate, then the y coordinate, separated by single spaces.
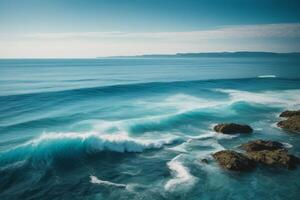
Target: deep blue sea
pixel 138 128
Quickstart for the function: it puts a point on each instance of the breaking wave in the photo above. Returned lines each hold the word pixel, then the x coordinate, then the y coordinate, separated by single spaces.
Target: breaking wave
pixel 69 145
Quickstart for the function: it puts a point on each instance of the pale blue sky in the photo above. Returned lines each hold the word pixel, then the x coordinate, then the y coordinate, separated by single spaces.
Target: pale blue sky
pixel 90 28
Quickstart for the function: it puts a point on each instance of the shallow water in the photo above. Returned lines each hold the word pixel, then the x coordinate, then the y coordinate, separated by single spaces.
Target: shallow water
pixel 138 128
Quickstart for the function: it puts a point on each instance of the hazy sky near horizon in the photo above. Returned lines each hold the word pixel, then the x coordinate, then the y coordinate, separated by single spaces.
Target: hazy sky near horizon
pixel 91 28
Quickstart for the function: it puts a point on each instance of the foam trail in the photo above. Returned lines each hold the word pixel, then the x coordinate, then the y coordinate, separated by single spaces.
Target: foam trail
pixel 181 173
pixel 267 76
pixel 95 180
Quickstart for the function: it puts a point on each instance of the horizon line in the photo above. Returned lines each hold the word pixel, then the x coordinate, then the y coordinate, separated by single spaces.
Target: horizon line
pixel 154 54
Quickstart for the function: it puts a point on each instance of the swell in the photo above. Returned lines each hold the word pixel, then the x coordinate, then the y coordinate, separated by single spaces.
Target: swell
pixel 185 121
pixel 141 86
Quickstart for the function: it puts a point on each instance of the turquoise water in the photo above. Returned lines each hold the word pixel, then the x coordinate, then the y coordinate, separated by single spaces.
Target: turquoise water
pixel 138 128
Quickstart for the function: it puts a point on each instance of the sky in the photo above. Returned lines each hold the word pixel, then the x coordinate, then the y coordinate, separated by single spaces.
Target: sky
pixel 92 28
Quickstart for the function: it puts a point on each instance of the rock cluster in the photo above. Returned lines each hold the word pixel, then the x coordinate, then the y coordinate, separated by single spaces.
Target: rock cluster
pixel 268 153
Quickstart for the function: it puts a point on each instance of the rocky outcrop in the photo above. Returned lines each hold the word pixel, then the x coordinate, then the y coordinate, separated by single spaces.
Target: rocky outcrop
pixel 278 157
pixel 270 153
pixel 235 161
pixel 291 124
pixel 232 128
pixel 265 152
pixel 258 145
pixel 290 113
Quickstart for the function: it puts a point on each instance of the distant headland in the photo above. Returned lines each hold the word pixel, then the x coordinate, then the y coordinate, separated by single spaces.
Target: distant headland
pixel 213 54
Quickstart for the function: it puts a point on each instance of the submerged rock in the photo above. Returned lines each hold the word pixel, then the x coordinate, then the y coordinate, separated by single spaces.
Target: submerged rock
pixel 291 124
pixel 290 113
pixel 278 157
pixel 233 128
pixel 232 160
pixel 259 145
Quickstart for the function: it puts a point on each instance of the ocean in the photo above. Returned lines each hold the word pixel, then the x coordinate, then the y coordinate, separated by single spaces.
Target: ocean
pixel 138 128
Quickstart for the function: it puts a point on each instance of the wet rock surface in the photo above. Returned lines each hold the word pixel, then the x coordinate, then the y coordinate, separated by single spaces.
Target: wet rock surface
pixel 270 153
pixel 232 160
pixel 266 152
pixel 275 157
pixel 232 128
pixel 259 145
pixel 291 124
pixel 290 113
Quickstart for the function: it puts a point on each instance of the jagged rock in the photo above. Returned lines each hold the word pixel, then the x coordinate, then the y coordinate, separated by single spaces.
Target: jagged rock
pixel 233 128
pixel 291 124
pixel 278 157
pixel 204 160
pixel 259 145
pixel 290 113
pixel 232 160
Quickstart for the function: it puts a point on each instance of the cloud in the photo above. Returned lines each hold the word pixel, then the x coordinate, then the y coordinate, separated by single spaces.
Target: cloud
pixel 267 37
pixel 242 31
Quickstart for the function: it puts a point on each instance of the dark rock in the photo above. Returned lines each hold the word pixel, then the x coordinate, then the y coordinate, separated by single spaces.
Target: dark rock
pixel 270 153
pixel 278 157
pixel 204 160
pixel 232 160
pixel 291 124
pixel 290 113
pixel 233 128
pixel 259 145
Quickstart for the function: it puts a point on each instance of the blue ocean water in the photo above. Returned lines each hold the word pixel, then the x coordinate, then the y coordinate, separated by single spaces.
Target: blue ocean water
pixel 138 128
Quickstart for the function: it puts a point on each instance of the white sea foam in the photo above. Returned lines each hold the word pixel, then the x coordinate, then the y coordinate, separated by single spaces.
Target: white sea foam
pixel 283 97
pixel 180 148
pixel 181 175
pixel 184 102
pixel 267 76
pixel 202 136
pixel 287 145
pixel 95 180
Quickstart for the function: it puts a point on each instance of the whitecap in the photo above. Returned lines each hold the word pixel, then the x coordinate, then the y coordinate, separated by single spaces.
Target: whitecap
pixel 275 98
pixel 95 180
pixel 287 145
pixel 267 76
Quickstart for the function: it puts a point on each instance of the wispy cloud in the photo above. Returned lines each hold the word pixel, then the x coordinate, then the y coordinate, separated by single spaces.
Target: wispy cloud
pixel 243 31
pixel 271 37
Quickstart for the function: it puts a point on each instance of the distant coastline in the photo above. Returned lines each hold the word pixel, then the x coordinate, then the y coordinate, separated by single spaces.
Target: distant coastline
pixel 213 54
